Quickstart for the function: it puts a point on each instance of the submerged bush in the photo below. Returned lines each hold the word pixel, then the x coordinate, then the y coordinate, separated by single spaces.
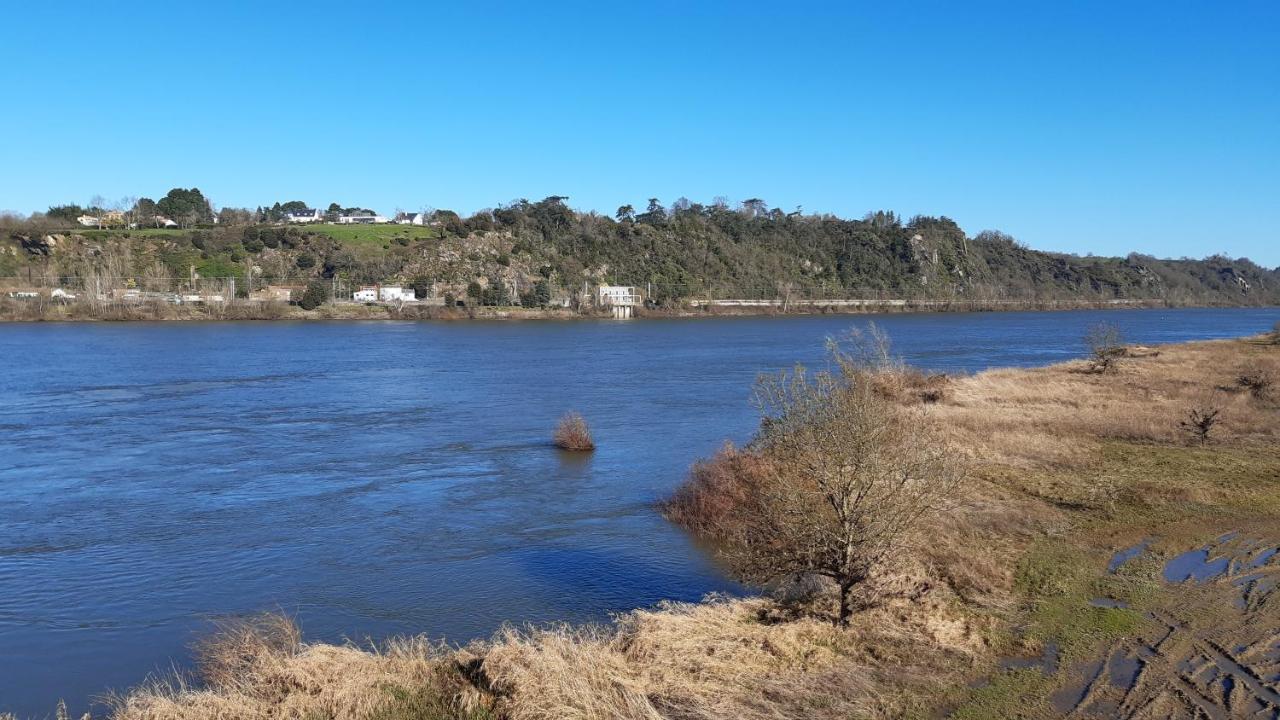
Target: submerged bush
pixel 573 434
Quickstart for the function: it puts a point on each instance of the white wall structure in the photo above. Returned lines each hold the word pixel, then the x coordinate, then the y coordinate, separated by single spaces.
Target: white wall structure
pixel 365 295
pixel 394 293
pixel 620 299
pixel 361 219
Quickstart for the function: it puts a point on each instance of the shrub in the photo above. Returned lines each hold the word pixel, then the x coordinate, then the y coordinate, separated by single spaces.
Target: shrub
pixel 1106 346
pixel 1200 421
pixel 1257 380
pixel 707 503
pixel 305 261
pixel 315 295
pixel 573 434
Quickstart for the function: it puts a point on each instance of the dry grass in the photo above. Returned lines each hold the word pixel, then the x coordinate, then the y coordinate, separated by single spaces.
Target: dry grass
pixel 573 434
pixel 1057 416
pixel 260 668
pixel 1050 448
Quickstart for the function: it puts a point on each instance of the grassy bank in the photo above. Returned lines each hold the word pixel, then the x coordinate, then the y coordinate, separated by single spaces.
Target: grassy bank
pixel 1066 466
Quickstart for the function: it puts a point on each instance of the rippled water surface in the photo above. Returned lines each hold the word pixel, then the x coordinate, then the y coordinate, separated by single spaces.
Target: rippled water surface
pixel 381 478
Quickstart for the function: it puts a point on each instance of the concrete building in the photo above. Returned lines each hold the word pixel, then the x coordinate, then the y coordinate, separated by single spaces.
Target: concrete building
pixel 620 299
pixel 395 293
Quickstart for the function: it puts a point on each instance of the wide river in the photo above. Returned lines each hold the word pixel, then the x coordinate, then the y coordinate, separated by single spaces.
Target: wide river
pixel 384 478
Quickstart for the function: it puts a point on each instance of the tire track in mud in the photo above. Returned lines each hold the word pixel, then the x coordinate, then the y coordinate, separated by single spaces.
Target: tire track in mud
pixel 1214 655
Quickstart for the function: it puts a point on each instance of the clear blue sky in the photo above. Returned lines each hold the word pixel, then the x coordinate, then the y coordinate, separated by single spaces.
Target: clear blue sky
pixel 1080 126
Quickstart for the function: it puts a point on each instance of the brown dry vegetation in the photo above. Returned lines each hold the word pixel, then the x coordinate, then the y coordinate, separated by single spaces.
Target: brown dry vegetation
pixel 573 434
pixel 1067 465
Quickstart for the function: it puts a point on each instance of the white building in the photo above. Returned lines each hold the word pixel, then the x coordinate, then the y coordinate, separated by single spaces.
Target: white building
pixel 393 293
pixel 617 295
pixel 620 299
pixel 361 219
pixel 379 293
pixel 89 220
pixel 411 219
pixel 306 215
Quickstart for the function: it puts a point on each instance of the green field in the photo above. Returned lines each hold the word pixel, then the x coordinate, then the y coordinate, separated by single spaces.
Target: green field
pixel 364 236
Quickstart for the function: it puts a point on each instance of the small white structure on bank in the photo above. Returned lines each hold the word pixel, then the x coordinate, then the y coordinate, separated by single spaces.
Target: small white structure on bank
pixel 620 299
pixel 388 293
pixel 395 293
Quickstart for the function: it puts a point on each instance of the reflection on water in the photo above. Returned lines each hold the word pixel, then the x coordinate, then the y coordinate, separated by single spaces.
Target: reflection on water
pixel 379 478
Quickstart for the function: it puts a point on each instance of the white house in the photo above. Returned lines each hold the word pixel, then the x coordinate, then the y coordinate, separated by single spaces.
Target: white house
pixel 361 219
pixel 411 219
pixel 89 220
pixel 163 221
pixel 306 215
pixel 365 294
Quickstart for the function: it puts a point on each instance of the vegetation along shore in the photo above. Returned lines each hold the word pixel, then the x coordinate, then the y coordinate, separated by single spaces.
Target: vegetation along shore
pixel 1096 537
pixel 543 259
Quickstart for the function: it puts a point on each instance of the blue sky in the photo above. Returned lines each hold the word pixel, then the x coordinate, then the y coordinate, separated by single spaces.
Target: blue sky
pixel 1094 127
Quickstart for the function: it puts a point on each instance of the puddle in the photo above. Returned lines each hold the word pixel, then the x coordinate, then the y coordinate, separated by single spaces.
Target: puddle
pixel 1105 602
pixel 1047 663
pixel 1125 555
pixel 1195 565
pixel 1262 558
pixel 1070 697
pixel 1124 670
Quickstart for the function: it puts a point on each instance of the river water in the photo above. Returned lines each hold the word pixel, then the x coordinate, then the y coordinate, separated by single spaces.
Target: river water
pixel 383 478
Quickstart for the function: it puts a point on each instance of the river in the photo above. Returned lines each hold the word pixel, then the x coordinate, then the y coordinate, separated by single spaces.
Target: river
pixel 381 478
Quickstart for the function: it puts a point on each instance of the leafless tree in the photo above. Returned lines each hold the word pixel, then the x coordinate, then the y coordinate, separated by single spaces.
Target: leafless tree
pixel 852 474
pixel 1200 421
pixel 127 206
pixel 1106 346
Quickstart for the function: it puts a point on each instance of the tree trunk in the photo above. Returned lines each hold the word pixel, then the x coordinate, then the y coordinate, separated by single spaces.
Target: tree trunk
pixel 846 604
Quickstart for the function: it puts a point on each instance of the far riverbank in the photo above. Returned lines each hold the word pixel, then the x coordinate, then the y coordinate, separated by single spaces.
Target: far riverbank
pixel 46 310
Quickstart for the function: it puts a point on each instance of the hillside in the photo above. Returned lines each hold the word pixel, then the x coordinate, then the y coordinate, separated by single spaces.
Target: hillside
pixel 691 251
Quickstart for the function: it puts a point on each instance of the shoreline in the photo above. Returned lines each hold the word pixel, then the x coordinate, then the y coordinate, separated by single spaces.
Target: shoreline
pixel 12 311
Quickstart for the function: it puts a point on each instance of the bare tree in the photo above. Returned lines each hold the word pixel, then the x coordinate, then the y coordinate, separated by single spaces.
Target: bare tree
pixel 852 474
pixel 127 206
pixel 1200 421
pixel 1106 346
